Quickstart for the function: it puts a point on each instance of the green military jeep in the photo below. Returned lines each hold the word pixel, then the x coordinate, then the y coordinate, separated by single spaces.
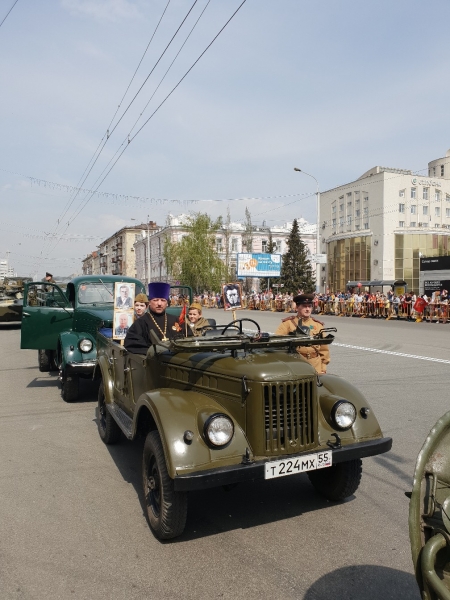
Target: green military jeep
pixel 429 514
pixel 62 325
pixel 232 406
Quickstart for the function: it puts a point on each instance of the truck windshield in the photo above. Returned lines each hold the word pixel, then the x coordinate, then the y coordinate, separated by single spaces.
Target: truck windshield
pixel 96 293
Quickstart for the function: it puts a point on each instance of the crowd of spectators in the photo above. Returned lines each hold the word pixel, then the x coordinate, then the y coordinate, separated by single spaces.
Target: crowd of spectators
pixel 359 303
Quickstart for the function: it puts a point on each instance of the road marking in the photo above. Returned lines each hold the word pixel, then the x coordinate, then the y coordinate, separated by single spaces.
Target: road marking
pixel 438 360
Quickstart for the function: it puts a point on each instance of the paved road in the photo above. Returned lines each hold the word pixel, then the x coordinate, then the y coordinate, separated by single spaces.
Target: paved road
pixel 71 517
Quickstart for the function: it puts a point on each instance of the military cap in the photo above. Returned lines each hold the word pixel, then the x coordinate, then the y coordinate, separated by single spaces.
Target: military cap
pixel 197 306
pixel 303 299
pixel 141 298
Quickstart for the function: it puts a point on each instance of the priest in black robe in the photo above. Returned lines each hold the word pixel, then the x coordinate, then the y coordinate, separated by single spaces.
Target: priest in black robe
pixel 165 326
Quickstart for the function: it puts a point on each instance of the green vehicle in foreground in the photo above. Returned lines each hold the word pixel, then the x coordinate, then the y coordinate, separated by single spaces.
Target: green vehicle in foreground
pixel 62 325
pixel 429 514
pixel 232 406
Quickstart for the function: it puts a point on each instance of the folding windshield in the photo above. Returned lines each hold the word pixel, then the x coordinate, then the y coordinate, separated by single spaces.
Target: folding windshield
pixel 96 293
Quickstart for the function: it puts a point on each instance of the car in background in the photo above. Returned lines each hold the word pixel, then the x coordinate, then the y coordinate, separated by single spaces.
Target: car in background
pixel 62 325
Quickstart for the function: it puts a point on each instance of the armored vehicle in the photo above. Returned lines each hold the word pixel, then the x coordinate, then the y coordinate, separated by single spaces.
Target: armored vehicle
pixel 62 325
pixel 232 406
pixel 429 514
pixel 11 295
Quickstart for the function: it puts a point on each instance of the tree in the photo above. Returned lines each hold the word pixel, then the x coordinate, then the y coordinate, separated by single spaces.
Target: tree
pixel 296 270
pixel 194 259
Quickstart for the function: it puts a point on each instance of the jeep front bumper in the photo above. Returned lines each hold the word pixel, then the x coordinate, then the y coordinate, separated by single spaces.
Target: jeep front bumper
pixel 253 471
pixel 85 369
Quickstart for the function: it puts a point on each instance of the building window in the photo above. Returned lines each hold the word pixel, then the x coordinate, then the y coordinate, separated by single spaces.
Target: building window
pixel 437 211
pixel 442 170
pixel 342 197
pixel 341 221
pixel 413 192
pixel 401 208
pixel 349 195
pixel 401 193
pixel 425 210
pixel 412 224
pixel 413 209
pixel 425 193
pixel 366 225
pixel 219 244
pixel 434 171
pixel 366 198
pixel 447 212
pixel 357 213
pixel 437 225
pixel 401 223
pixel 447 197
pixel 341 207
pixel 334 222
pixel 437 196
pixel 349 219
pixel 264 245
pixel 333 209
pixel 349 205
pixel 234 245
pixel 278 246
pixel 358 227
pixel 357 201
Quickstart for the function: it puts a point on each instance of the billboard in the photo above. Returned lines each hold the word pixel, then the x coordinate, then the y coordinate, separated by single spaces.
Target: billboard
pixel 258 265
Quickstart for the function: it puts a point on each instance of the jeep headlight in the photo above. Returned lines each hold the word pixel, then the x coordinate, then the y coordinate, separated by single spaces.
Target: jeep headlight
pixel 343 414
pixel 85 345
pixel 219 430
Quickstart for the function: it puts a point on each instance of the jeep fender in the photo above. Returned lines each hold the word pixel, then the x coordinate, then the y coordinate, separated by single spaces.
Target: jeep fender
pixel 69 339
pixel 364 427
pixel 176 411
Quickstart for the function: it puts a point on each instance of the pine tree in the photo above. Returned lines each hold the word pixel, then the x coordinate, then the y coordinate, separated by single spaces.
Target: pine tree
pixel 296 270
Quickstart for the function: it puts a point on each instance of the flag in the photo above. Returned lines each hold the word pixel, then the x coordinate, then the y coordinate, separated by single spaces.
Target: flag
pixel 182 315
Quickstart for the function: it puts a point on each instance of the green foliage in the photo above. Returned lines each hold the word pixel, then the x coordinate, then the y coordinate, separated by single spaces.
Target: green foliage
pixel 194 259
pixel 271 249
pixel 296 270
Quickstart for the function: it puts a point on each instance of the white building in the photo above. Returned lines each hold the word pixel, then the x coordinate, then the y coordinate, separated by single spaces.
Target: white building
pixel 174 230
pixel 378 226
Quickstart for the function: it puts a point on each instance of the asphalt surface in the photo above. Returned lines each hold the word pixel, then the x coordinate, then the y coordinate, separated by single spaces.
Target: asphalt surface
pixel 71 509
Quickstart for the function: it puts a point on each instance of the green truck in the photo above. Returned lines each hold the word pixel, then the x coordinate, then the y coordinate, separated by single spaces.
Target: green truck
pixel 232 406
pixel 62 324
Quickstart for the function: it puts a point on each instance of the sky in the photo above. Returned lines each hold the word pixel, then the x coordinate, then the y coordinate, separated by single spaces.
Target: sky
pixel 333 88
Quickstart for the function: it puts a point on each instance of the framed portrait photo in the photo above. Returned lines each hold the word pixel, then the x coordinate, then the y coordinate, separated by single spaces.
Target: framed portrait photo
pixel 232 296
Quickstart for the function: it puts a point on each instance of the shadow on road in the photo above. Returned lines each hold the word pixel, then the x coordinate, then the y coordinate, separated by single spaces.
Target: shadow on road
pixel 218 510
pixel 364 582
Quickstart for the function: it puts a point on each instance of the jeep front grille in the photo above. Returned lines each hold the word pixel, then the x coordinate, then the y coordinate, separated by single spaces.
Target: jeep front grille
pixel 289 416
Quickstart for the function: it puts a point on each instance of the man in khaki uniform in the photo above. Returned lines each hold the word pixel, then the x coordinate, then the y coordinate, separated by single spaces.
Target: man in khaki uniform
pixel 317 356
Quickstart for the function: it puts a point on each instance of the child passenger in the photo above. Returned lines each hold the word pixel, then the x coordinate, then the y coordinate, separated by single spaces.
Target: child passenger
pixel 196 322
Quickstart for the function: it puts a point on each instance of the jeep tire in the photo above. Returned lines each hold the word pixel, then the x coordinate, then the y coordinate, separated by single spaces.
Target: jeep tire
pixel 166 508
pixel 107 427
pixel 70 387
pixel 46 361
pixel 338 481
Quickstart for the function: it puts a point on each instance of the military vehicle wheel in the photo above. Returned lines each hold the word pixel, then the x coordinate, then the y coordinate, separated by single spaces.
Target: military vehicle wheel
pixel 166 508
pixel 108 429
pixel 339 481
pixel 70 387
pixel 46 361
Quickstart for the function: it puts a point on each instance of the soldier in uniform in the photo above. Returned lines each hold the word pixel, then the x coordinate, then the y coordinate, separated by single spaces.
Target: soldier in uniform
pixel 318 355
pixel 138 339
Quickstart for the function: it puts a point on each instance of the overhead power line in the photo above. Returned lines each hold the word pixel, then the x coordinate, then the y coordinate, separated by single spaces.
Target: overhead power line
pixel 4 19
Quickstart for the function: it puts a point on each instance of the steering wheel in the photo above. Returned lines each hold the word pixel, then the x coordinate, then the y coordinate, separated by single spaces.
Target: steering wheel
pixel 240 321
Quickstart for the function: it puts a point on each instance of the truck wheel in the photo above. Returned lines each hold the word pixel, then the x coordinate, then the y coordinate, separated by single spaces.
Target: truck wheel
pixel 70 387
pixel 339 481
pixel 46 361
pixel 108 429
pixel 166 508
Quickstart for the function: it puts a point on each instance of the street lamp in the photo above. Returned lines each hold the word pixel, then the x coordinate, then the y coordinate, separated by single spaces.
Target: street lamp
pixel 148 249
pixel 318 228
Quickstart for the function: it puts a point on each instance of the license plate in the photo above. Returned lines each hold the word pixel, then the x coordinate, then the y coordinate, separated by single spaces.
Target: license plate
pixel 299 464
